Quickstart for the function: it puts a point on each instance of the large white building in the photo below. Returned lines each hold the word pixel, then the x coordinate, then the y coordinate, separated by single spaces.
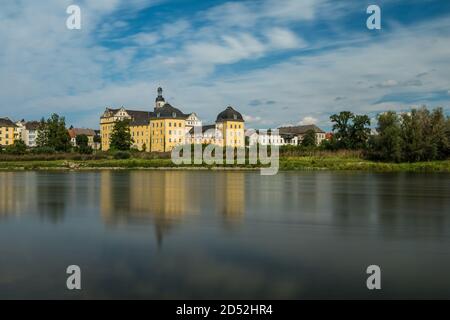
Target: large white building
pixel 28 132
pixel 284 136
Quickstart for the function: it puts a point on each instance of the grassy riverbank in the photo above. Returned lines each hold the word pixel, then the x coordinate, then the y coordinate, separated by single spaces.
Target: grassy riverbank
pixel 286 164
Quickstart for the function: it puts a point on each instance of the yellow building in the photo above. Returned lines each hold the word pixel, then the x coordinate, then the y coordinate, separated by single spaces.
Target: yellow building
pixel 139 127
pixel 227 132
pixel 231 126
pixel 166 127
pixel 8 132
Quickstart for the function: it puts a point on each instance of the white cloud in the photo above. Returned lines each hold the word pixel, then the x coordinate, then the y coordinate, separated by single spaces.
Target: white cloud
pixel 46 68
pixel 284 39
pixel 145 38
pixel 307 120
pixel 174 29
pixel 255 120
pixel 231 49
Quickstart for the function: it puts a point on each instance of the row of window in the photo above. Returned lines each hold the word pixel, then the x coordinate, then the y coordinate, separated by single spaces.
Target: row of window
pixel 169 123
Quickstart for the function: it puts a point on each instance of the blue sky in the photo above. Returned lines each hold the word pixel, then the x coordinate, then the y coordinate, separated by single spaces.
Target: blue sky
pixel 277 61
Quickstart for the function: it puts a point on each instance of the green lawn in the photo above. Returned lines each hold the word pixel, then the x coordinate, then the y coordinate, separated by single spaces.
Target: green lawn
pixel 286 164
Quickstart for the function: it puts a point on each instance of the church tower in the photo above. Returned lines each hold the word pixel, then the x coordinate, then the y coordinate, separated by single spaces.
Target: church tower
pixel 159 99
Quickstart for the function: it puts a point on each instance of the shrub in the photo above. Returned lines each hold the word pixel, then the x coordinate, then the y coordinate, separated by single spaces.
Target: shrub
pixel 43 150
pixel 121 155
pixel 18 148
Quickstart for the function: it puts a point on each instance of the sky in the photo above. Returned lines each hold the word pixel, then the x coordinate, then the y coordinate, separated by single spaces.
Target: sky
pixel 278 62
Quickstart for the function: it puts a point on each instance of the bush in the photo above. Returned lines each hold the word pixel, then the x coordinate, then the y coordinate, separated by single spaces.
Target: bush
pixel 84 150
pixel 122 155
pixel 18 148
pixel 43 150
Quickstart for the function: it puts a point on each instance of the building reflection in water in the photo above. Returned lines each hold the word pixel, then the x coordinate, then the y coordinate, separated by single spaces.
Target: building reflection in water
pixel 151 197
pixel 230 196
pixel 166 198
pixel 17 191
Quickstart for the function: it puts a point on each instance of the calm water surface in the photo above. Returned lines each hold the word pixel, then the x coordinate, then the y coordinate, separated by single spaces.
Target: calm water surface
pixel 211 235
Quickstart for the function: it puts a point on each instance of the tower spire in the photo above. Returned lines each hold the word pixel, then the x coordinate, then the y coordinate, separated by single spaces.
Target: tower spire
pixel 160 101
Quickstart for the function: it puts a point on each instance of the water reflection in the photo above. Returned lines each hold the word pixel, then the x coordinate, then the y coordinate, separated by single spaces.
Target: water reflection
pixel 230 197
pixel 146 234
pixel 165 198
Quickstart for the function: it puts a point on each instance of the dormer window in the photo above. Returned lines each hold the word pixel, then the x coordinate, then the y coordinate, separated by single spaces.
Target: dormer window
pixel 234 116
pixel 158 115
pixel 174 114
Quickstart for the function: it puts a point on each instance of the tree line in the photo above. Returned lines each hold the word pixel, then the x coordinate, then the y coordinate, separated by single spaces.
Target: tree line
pixel 418 135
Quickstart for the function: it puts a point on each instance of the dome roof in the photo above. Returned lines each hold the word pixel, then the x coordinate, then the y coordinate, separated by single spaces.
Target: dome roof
pixel 229 114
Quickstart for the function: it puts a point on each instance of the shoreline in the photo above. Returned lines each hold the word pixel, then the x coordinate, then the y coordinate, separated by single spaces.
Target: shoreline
pixel 285 164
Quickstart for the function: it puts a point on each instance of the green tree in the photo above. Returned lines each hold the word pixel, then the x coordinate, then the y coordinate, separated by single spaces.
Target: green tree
pixel 350 131
pixel 19 147
pixel 42 135
pixel 53 134
pixel 121 136
pixel 447 130
pixel 97 139
pixel 417 136
pixel 309 139
pixel 58 137
pixel 341 128
pixel 359 132
pixel 82 140
pixel 83 147
pixel 387 144
pixel 439 134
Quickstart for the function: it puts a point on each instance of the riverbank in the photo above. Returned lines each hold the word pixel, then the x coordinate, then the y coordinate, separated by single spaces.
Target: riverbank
pixel 286 164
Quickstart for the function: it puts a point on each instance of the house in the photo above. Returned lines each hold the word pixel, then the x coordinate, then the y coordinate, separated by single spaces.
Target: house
pixel 30 132
pixel 264 137
pixel 90 133
pixel 284 135
pixel 294 135
pixel 8 132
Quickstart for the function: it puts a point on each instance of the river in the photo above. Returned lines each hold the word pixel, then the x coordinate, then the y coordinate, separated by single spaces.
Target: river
pixel 232 235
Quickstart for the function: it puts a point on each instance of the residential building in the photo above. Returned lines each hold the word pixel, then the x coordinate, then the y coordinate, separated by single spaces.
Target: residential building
pixel 295 134
pixel 29 133
pixel 89 133
pixel 8 132
pixel 284 136
pixel 265 137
